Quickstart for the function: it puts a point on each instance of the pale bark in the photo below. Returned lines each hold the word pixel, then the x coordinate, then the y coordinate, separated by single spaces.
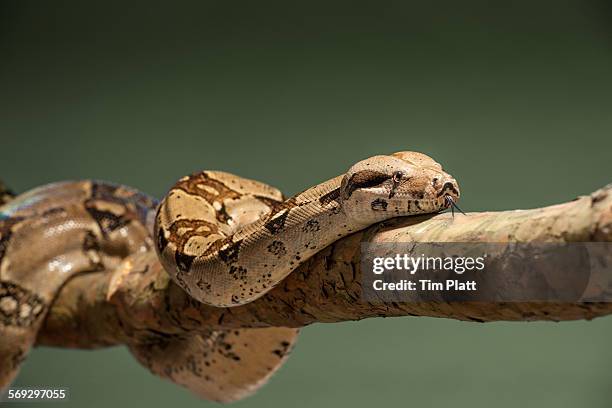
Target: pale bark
pixel 91 312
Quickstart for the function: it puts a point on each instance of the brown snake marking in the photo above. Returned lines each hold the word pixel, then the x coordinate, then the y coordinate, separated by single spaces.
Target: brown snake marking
pixel 276 222
pixel 224 239
pixel 211 190
pixel 19 306
pixel 311 226
pixel 330 197
pixel 381 205
pixel 277 248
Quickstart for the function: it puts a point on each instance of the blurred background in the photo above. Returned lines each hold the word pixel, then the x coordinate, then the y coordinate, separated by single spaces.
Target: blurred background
pixel 514 98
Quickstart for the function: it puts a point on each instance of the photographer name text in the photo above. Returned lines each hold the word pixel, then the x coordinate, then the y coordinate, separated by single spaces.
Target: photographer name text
pixel 407 264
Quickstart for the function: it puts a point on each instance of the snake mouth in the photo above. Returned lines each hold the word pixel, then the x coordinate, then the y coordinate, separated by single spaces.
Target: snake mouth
pixel 450 202
pixel 447 189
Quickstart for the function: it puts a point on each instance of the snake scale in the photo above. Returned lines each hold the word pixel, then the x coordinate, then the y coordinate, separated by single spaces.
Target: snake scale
pixel 224 239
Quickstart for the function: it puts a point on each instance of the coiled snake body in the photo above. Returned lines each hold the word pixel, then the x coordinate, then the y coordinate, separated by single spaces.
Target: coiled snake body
pixel 224 239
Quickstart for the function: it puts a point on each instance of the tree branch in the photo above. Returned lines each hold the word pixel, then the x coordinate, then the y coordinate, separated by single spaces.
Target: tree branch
pixel 116 307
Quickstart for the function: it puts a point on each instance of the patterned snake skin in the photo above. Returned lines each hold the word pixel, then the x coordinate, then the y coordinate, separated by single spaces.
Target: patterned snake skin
pixel 224 239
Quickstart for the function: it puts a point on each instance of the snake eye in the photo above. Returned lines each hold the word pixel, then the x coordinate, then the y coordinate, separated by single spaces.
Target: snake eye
pixel 434 181
pixel 397 176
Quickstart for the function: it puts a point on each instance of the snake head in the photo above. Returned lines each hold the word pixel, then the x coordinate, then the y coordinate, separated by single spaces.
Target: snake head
pixel 397 185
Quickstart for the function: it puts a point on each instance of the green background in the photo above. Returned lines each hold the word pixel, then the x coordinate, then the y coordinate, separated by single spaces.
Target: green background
pixel 514 98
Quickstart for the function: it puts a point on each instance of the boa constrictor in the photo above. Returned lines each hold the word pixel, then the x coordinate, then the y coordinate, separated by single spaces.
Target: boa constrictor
pixel 224 239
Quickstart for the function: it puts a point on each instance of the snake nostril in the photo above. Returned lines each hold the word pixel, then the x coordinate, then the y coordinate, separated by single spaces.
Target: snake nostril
pixel 448 185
